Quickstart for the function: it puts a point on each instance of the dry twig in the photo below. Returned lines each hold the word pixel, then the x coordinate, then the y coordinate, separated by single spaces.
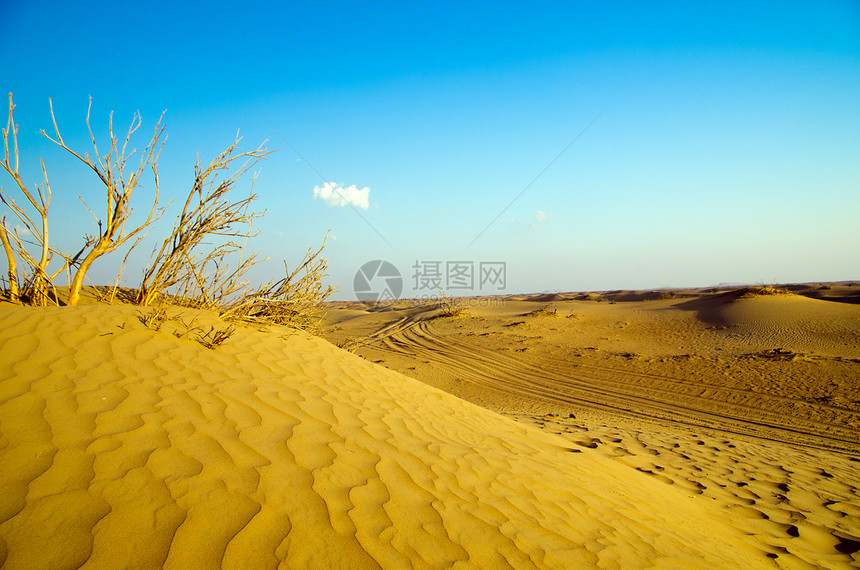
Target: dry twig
pixel 215 337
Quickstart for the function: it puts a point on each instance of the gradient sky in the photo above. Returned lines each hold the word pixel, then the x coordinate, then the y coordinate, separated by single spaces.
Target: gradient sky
pixel 726 145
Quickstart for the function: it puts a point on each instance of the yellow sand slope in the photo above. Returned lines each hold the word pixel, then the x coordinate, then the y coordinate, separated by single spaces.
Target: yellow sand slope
pixel 124 447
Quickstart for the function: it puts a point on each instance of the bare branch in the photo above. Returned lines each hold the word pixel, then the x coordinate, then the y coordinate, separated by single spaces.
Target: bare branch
pixel 208 211
pixel 59 141
pixel 119 188
pixel 296 300
pixel 10 260
pixel 36 281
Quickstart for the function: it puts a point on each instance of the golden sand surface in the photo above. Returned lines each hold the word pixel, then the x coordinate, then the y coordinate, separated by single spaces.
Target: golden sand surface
pixel 749 403
pixel 122 446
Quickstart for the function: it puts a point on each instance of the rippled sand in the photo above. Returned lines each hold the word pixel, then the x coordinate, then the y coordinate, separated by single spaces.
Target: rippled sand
pixel 126 447
pixel 749 403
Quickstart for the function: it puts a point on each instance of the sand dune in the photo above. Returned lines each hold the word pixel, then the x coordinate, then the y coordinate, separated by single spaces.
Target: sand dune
pixel 125 447
pixel 747 402
pixel 791 322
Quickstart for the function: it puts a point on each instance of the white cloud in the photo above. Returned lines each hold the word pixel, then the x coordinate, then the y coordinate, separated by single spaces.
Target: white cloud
pixel 540 217
pixel 336 195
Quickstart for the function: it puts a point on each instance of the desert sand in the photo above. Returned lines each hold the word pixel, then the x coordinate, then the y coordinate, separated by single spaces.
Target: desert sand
pixel 748 402
pixel 549 432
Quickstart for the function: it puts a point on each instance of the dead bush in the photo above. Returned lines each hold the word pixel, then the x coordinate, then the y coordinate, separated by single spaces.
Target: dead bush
pixel 295 300
pixel 187 260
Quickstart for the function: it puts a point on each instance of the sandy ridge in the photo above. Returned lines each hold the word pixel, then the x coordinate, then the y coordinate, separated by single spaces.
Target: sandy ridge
pixel 128 447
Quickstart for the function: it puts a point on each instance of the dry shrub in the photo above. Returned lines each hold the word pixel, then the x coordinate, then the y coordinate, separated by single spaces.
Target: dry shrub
pixel 294 301
pixel 187 261
pixel 450 308
pixel 35 286
pixel 200 274
pixel 543 312
pixel 154 319
pixel 192 266
pixel 215 337
pixel 762 290
pixel 119 176
pixel 211 338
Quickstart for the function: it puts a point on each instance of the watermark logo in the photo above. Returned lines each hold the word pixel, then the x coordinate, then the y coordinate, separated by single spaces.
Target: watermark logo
pixel 380 282
pixel 459 275
pixel 377 281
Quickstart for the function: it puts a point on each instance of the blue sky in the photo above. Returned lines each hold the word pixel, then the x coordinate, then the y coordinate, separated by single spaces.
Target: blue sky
pixel 726 146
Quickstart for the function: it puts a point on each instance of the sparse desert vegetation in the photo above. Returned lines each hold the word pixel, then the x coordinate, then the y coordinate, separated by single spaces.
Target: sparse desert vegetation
pixel 450 308
pixel 762 291
pixel 203 261
pixel 542 312
pixel 518 205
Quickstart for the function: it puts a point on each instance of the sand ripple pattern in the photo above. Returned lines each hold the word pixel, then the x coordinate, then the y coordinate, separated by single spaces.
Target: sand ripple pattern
pixel 123 447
